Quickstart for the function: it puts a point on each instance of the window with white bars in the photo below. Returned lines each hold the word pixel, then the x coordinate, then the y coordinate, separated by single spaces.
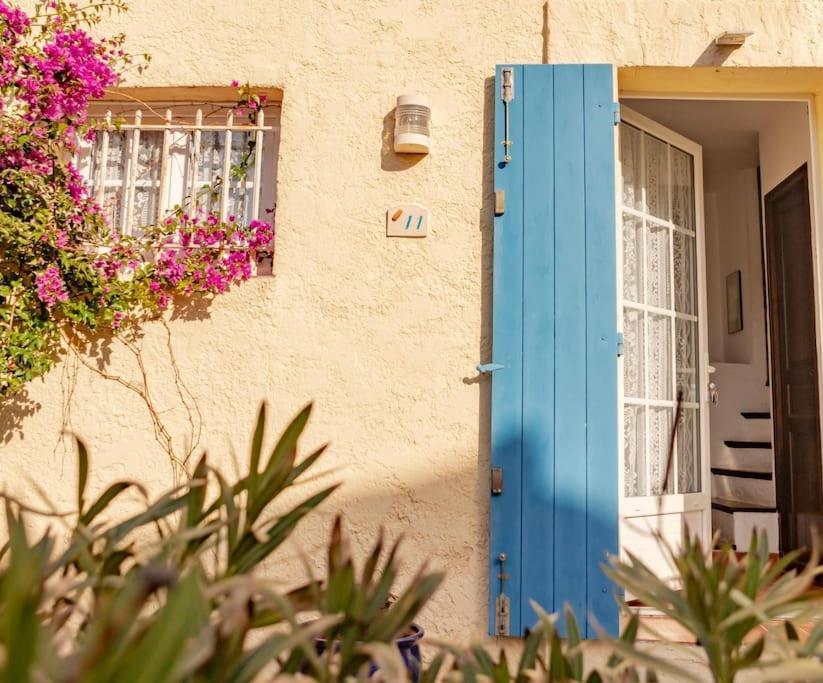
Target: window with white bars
pixel 148 159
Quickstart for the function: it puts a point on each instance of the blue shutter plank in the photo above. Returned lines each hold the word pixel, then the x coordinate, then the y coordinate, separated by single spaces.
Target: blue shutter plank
pixel 538 332
pixel 570 340
pixel 601 358
pixel 554 402
pixel 507 383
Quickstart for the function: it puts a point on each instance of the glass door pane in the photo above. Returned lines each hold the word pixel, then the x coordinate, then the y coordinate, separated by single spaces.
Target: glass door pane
pixel 660 324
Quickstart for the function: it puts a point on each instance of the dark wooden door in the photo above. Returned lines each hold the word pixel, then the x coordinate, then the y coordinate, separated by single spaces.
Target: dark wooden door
pixel 794 360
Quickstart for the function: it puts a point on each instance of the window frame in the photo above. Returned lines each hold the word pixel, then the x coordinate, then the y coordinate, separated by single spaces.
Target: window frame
pixel 182 123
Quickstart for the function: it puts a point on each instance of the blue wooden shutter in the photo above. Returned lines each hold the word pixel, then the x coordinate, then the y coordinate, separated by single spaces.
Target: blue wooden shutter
pixel 554 402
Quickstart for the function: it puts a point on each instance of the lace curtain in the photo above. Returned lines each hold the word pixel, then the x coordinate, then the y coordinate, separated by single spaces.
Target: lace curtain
pixel 660 326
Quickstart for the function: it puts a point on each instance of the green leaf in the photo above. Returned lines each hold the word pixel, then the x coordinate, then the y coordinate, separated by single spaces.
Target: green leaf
pixel 752 654
pixel 197 493
pixel 232 517
pixel 305 464
pixel 82 475
pixel 20 593
pixel 575 659
pixel 252 553
pixel 558 670
pixel 256 448
pixel 112 563
pixel 299 641
pixel 484 661
pixel 432 671
pixel 166 505
pixel 275 473
pixel 104 500
pixel 183 615
pixel 532 644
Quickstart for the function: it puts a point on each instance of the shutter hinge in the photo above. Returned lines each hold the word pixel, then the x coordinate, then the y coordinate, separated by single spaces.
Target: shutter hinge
pixel 621 346
pixel 488 368
pixel 499 202
pixel 616 112
pixel 502 605
pixel 497 481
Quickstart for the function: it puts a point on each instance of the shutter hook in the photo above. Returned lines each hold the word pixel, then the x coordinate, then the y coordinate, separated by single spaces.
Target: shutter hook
pixel 507 95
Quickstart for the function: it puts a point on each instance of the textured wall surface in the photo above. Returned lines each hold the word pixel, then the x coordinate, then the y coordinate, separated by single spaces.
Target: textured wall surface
pixel 383 334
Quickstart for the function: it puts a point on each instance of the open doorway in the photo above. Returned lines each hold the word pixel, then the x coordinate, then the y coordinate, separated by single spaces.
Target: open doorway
pixel 760 442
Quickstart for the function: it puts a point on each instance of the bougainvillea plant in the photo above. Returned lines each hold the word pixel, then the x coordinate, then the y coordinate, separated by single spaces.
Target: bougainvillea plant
pixel 62 267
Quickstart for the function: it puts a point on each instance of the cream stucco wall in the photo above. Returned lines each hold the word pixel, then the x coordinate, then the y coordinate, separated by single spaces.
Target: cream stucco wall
pixel 383 334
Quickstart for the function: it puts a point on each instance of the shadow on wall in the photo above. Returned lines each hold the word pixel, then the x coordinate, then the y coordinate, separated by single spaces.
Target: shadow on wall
pixel 97 349
pixel 715 55
pixel 486 224
pixel 14 412
pixel 444 523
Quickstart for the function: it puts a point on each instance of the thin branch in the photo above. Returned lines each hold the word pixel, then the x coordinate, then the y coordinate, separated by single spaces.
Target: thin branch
pixel 197 429
pixel 160 428
pixel 12 306
pixel 161 433
pixel 69 374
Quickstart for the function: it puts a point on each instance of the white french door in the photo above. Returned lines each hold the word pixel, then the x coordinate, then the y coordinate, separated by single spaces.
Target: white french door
pixel 663 320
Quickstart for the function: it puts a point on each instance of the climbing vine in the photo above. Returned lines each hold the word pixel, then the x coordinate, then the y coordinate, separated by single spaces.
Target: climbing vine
pixel 64 273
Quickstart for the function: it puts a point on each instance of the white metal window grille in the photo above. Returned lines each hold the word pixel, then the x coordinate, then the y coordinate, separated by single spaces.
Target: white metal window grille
pixel 147 160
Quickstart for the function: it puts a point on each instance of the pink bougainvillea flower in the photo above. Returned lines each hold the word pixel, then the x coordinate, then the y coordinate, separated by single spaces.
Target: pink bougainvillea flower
pixel 50 287
pixel 50 71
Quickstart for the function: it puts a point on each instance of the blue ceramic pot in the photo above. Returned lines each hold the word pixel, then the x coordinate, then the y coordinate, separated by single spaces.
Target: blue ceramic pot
pixel 409 647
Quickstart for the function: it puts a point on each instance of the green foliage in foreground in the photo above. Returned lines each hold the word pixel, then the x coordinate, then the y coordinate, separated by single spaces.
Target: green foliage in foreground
pixel 170 593
pixel 741 611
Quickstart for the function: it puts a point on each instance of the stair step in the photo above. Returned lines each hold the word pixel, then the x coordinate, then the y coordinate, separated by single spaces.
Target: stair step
pixel 743 474
pixel 755 415
pixel 731 506
pixel 749 444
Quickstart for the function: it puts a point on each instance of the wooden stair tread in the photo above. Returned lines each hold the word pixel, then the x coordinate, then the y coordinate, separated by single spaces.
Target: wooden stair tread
pixel 748 444
pixel 726 505
pixel 756 415
pixel 743 474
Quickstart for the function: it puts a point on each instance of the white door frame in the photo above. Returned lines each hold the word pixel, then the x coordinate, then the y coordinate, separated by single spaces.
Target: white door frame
pixel 653 506
pixel 815 197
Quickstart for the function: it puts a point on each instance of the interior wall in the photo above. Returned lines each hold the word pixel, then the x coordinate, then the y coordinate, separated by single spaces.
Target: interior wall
pixel 733 242
pixel 784 144
pixel 713 272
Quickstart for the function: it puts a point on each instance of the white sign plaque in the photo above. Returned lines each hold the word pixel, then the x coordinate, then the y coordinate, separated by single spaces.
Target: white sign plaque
pixel 407 220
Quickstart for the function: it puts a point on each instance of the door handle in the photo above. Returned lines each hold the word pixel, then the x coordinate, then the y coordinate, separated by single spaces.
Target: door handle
pixel 714 394
pixel 488 368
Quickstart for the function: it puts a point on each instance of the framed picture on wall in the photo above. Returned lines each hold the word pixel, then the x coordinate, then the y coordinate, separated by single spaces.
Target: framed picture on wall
pixel 734 302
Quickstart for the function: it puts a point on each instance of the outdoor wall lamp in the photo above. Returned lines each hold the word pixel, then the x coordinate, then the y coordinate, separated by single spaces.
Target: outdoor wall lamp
pixel 412 124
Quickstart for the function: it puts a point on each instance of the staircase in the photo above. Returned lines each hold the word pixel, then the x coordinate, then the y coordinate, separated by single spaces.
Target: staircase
pixel 743 492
